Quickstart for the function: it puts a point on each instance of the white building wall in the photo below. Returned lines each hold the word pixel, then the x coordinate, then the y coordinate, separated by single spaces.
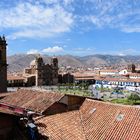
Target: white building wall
pixel 123 72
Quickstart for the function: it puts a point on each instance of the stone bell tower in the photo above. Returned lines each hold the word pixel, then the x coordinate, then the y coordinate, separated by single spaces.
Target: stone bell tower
pixel 131 68
pixel 39 71
pixel 3 65
pixel 54 64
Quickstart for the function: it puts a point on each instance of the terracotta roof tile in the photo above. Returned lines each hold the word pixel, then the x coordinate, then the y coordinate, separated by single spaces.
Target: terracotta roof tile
pixel 6 111
pixel 15 77
pixel 65 126
pixel 5 94
pixel 33 100
pixel 117 79
pixel 110 121
pixel 94 121
pixel 109 70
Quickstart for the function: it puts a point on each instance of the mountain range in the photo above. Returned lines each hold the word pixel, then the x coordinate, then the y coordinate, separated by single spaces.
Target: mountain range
pixel 18 62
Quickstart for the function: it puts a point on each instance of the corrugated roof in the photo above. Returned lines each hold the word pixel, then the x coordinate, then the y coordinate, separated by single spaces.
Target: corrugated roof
pixel 33 100
pixel 107 121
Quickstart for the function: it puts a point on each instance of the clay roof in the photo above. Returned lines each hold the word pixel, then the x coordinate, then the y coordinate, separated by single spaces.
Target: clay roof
pixel 5 94
pixel 117 79
pixel 110 121
pixel 33 100
pixel 7 111
pixel 109 70
pixel 15 77
pixel 84 74
pixel 19 77
pixel 93 121
pixel 134 74
pixel 96 77
pixel 65 126
pixel 85 78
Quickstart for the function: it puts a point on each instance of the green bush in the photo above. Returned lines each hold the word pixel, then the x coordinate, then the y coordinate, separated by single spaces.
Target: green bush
pixel 134 97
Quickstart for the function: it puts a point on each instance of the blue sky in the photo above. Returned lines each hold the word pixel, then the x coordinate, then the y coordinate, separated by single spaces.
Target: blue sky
pixel 76 27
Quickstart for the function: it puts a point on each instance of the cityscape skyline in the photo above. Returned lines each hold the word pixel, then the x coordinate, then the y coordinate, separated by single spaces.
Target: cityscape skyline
pixel 71 27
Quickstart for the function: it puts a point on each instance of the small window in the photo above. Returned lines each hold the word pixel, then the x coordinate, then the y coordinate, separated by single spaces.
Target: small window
pixel 119 117
pixel 92 111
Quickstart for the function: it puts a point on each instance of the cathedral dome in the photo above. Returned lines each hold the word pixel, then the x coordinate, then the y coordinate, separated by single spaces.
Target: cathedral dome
pixel 33 63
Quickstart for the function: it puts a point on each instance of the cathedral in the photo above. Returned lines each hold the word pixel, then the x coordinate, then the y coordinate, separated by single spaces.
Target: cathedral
pixel 46 74
pixel 3 65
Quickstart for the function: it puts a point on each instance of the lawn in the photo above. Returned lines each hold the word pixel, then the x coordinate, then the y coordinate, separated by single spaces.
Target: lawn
pixel 125 101
pixel 75 92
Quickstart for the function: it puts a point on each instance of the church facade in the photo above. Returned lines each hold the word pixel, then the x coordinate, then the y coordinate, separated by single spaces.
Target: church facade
pixel 45 74
pixel 3 65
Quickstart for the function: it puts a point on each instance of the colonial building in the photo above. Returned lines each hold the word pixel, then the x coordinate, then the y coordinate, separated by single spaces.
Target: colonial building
pixel 108 72
pixel 20 80
pixel 3 65
pixel 131 68
pixel 46 74
pixel 65 78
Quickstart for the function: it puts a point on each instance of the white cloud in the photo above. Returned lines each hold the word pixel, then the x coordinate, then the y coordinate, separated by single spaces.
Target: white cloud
pixel 123 15
pixel 84 49
pixel 55 49
pixel 64 2
pixel 128 51
pixel 122 54
pixel 67 2
pixel 47 18
pixel 33 51
pixel 35 20
pixel 131 29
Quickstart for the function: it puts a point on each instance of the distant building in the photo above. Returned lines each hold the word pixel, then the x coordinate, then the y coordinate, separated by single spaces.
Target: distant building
pixel 108 72
pixel 20 80
pixel 123 72
pixel 46 74
pixel 3 65
pixel 131 68
pixel 66 78
pixel 111 82
pixel 84 77
pixel 134 75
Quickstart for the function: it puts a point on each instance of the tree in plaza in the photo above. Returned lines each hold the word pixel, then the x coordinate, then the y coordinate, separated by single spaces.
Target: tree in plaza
pixel 134 97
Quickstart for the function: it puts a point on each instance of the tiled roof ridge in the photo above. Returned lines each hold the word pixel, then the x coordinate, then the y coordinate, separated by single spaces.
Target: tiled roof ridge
pixel 52 115
pixel 39 91
pixel 33 100
pixel 113 104
pixel 82 125
pixel 94 120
